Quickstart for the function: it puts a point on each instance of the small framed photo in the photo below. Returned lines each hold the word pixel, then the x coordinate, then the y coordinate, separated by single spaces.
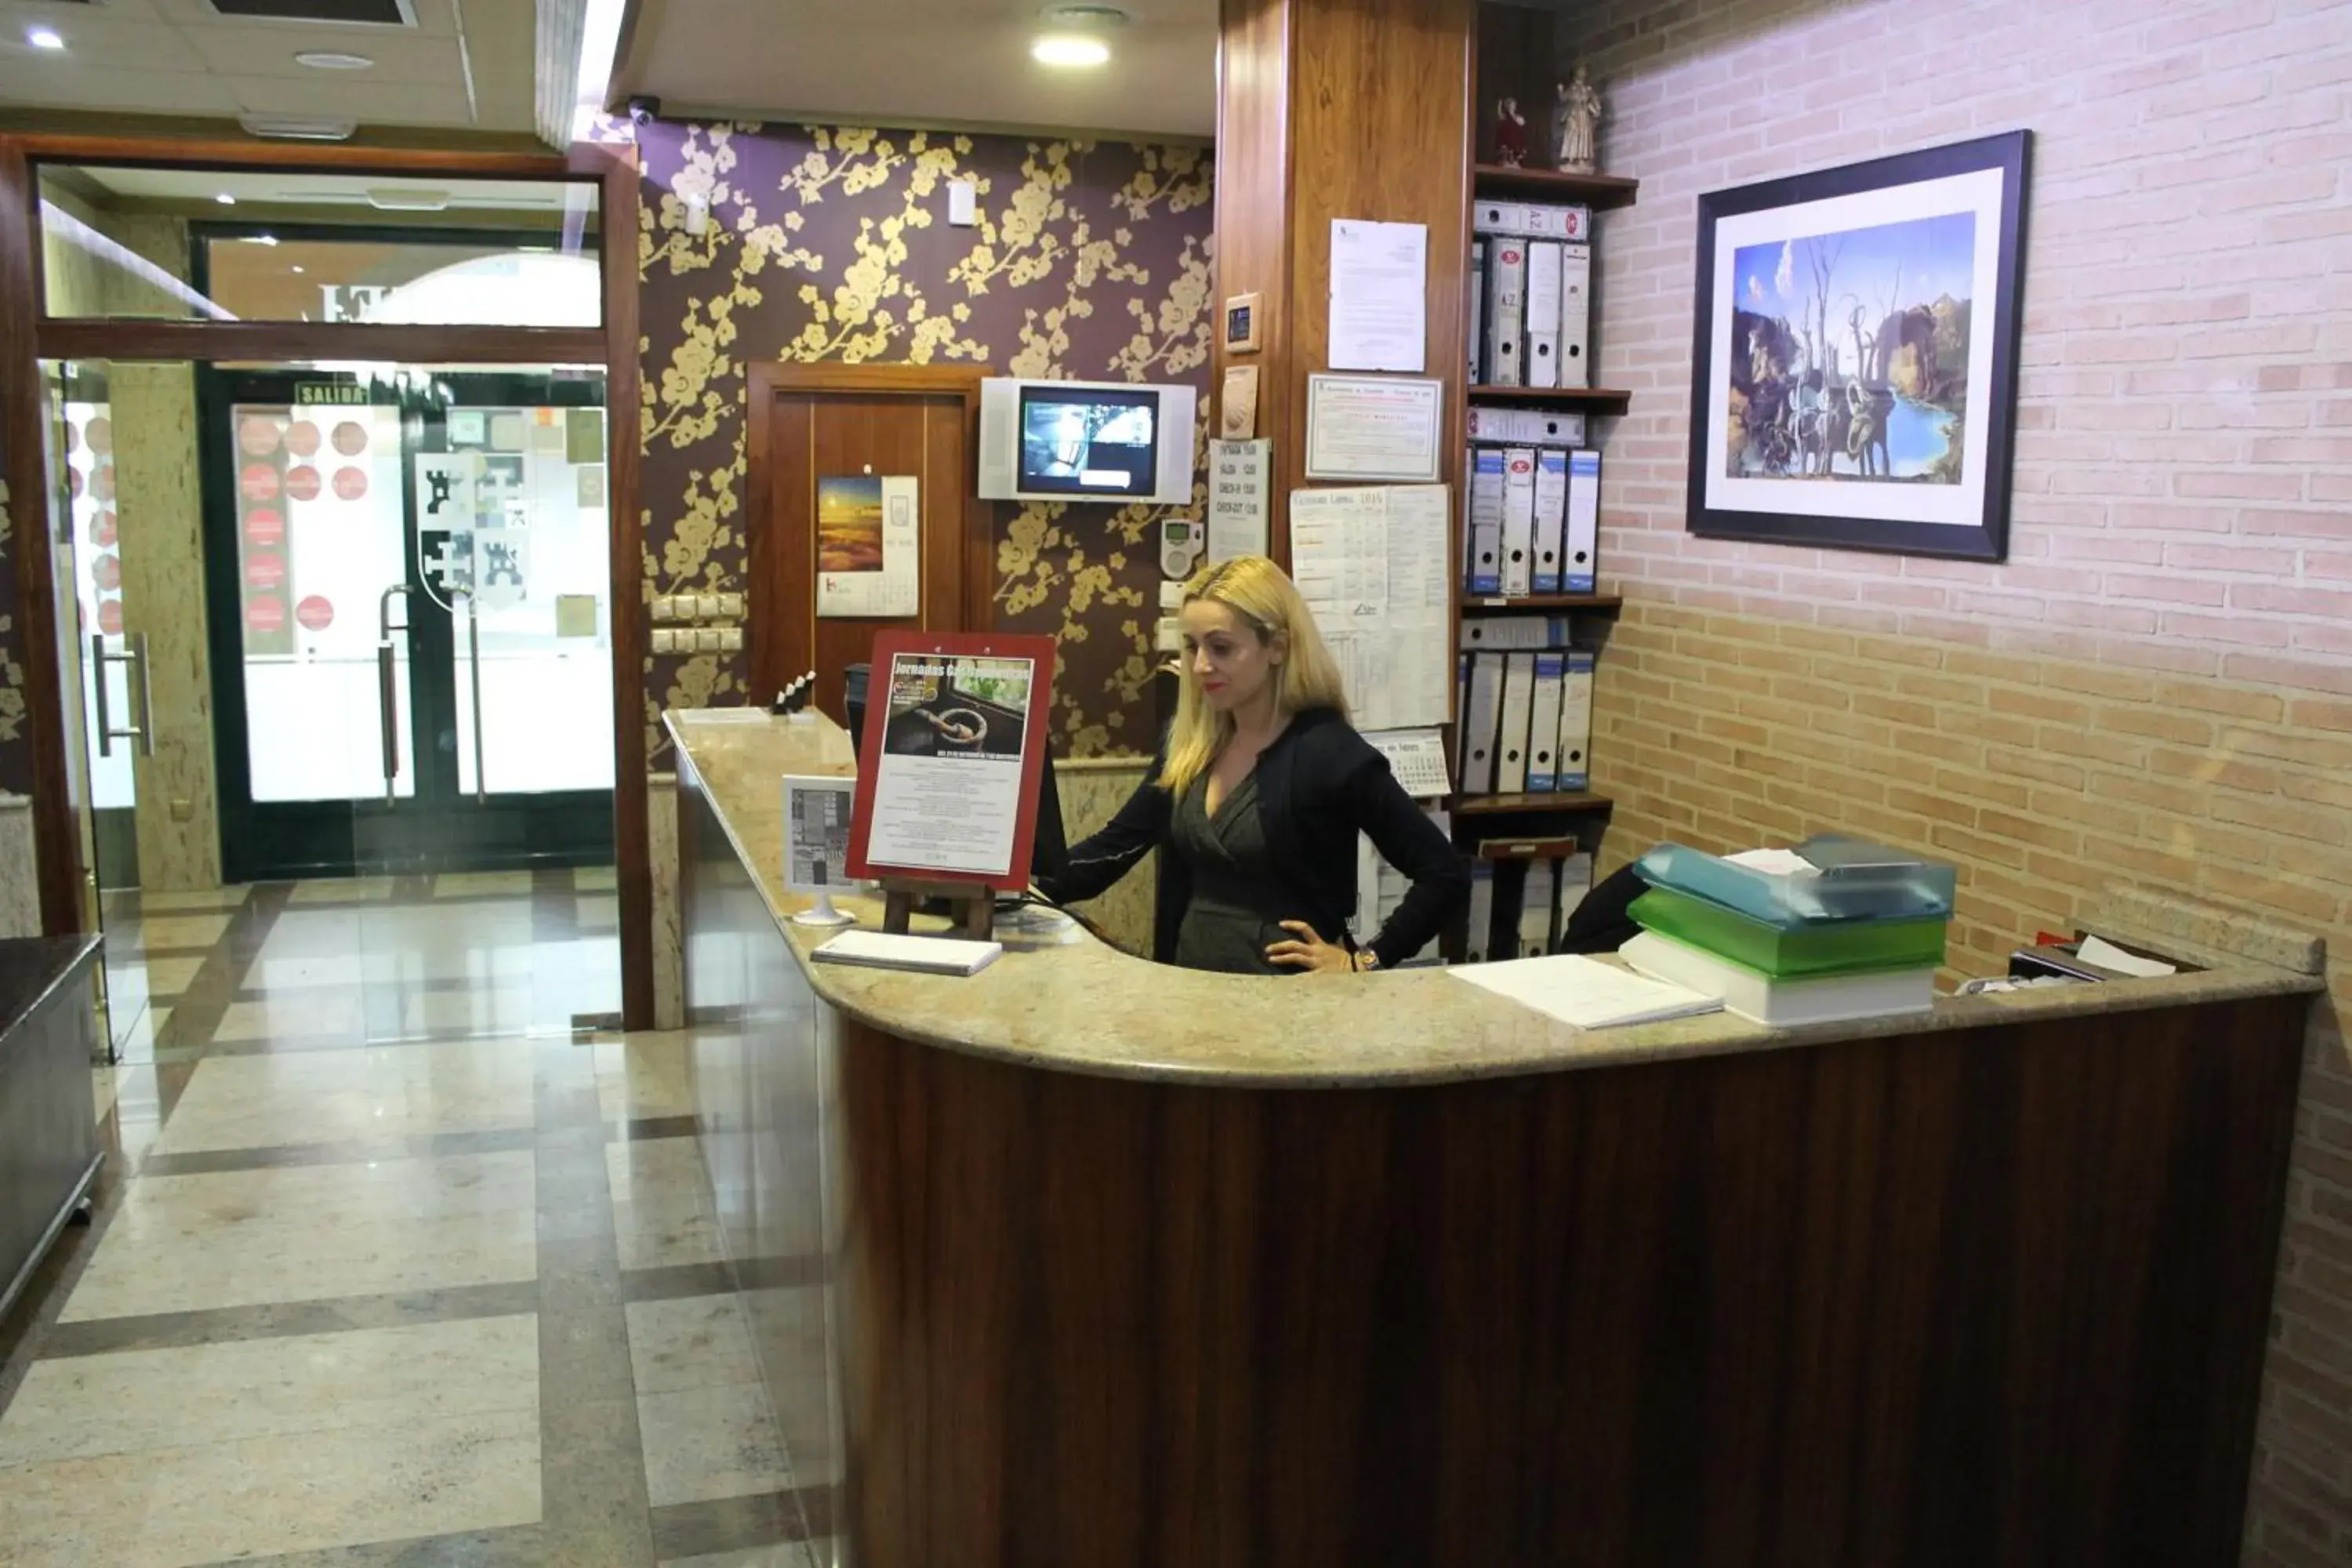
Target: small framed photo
pixel 1241 324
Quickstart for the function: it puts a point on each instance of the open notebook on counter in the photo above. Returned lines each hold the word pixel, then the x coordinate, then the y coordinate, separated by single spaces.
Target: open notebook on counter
pixel 1586 992
pixel 922 955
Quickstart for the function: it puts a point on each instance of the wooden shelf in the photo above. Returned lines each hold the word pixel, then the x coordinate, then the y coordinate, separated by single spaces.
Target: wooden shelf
pixel 1598 192
pixel 1498 805
pixel 1607 400
pixel 1543 602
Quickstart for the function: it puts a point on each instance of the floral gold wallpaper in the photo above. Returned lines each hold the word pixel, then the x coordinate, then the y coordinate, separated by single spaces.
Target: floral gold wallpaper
pixel 1090 261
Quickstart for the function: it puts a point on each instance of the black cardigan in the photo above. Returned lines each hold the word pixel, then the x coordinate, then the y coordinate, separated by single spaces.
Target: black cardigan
pixel 1318 784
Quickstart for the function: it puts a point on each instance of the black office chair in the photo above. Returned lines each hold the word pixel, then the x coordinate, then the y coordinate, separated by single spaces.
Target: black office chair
pixel 1599 923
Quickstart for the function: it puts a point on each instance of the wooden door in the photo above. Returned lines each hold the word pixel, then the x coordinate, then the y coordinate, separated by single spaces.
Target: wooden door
pixel 809 423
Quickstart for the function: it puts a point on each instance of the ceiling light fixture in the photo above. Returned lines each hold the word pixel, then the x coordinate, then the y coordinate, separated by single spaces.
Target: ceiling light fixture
pixel 260 239
pixel 1069 52
pixel 225 199
pixel 330 60
pixel 45 38
pixel 295 128
pixel 1084 17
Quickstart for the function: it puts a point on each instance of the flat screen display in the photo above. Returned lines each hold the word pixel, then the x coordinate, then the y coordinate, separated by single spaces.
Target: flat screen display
pixel 1089 442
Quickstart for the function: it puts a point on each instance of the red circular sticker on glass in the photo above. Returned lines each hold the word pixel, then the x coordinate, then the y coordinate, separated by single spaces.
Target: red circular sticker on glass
pixel 109 616
pixel 350 437
pixel 100 434
pixel 350 483
pixel 107 572
pixel 258 437
pixel 302 440
pixel 101 528
pixel 258 481
pixel 265 569
pixel 316 612
pixel 262 526
pixel 265 613
pixel 101 481
pixel 302 483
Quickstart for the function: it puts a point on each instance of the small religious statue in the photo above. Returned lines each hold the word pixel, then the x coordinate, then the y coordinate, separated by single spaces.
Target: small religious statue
pixel 1580 124
pixel 1511 135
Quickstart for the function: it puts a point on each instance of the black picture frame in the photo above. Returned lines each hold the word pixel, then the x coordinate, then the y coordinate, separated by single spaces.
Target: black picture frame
pixel 1800 432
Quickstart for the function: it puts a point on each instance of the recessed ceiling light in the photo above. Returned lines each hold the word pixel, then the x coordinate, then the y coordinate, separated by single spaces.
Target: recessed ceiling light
pixel 260 239
pixel 330 60
pixel 45 38
pixel 1069 51
pixel 225 199
pixel 396 199
pixel 1084 16
pixel 295 270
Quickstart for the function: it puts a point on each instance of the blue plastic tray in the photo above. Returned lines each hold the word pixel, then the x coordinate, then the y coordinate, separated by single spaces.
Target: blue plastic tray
pixel 1854 880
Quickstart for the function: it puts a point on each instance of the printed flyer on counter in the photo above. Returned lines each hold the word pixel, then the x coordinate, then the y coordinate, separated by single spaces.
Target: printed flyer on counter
pixel 951 773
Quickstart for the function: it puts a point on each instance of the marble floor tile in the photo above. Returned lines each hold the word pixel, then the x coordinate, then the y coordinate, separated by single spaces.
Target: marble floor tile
pixel 169 976
pixel 783 1555
pixel 312 933
pixel 644 1075
pixel 376 1091
pixel 599 914
pixel 82 1408
pixel 238 1238
pixel 663 1214
pixel 594 880
pixel 353 890
pixel 692 1342
pixel 328 1014
pixel 309 1492
pixel 208 900
pixel 706 1443
pixel 509 960
pixel 481 884
pixel 156 933
pixel 267 973
pixel 478 1010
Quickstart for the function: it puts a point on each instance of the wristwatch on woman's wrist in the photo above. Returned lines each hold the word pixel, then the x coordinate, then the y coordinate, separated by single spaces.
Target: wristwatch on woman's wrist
pixel 1366 960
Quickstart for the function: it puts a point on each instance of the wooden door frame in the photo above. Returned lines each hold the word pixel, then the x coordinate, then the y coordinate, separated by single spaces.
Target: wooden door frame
pixel 27 336
pixel 771 379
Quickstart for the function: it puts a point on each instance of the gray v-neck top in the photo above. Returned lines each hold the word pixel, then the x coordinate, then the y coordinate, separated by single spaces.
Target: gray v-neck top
pixel 1238 901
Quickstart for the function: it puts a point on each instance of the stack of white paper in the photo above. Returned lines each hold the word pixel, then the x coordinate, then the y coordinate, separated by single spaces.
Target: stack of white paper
pixel 923 954
pixel 1586 992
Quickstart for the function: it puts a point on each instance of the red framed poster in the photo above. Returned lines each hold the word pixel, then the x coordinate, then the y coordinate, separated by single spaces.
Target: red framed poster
pixel 947 768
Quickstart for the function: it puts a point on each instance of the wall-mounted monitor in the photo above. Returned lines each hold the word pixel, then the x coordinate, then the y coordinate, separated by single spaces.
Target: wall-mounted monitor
pixel 1084 440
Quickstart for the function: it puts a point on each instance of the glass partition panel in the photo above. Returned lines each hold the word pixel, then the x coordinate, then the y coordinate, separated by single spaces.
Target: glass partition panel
pixel 193 244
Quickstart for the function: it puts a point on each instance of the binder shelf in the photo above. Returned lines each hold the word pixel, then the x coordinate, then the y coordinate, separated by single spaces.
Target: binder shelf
pixel 1606 400
pixel 1542 601
pixel 1598 192
pixel 1499 804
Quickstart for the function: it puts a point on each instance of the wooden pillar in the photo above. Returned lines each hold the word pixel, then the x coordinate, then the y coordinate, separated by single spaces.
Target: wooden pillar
pixel 1338 109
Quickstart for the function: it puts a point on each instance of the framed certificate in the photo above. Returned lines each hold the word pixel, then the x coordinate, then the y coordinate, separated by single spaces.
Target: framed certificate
pixel 948 766
pixel 1364 428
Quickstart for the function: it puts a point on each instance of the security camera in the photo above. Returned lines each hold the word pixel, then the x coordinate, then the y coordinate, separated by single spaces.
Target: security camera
pixel 643 111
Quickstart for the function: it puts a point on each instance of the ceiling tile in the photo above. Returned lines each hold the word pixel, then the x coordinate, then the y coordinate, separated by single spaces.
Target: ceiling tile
pixel 271 51
pixel 433 20
pixel 371 103
pixel 57 85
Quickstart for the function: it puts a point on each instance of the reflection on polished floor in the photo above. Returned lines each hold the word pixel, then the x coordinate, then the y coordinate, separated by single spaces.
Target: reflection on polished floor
pixel 399 1259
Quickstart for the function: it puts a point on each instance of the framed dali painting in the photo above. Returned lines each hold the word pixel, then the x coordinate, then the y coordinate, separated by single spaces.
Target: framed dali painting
pixel 1855 373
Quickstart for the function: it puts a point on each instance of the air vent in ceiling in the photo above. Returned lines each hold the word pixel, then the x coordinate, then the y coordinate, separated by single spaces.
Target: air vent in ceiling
pixel 374 13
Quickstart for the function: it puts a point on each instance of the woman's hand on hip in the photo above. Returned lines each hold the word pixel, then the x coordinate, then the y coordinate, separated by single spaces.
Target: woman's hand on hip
pixel 1309 952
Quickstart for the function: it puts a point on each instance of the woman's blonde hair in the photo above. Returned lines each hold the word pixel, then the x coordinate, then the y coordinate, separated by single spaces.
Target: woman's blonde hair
pixel 1266 602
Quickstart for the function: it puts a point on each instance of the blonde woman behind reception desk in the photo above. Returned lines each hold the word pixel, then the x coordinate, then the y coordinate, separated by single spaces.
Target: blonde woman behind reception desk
pixel 1256 799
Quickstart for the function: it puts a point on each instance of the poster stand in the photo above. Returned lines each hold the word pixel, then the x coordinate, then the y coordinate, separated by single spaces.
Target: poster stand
pixel 975 908
pixel 949 771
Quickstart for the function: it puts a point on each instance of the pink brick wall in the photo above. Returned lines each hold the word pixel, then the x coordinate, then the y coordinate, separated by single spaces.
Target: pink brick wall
pixel 2154 685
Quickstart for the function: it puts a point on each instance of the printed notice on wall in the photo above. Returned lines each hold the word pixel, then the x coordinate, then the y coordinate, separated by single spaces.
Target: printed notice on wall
pixel 1240 496
pixel 1378 294
pixel 1372 564
pixel 947 794
pixel 868 536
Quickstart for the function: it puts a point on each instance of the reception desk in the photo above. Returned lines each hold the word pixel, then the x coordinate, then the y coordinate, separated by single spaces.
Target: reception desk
pixel 1088 1261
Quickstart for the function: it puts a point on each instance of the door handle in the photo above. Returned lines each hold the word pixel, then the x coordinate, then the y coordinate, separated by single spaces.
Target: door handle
pixel 387 687
pixel 134 655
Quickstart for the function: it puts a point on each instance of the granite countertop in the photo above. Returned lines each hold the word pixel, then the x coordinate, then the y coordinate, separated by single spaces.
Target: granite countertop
pixel 31 967
pixel 1059 999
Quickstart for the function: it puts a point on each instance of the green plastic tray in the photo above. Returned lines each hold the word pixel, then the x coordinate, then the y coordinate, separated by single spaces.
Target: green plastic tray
pixel 1846 947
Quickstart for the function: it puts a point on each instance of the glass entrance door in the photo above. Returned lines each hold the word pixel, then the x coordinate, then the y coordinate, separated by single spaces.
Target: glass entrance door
pixel 412 653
